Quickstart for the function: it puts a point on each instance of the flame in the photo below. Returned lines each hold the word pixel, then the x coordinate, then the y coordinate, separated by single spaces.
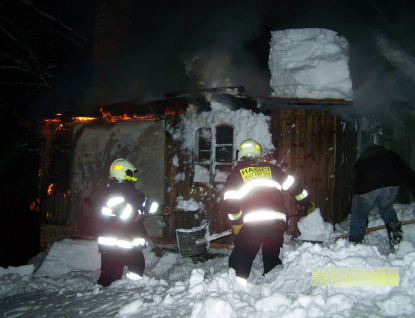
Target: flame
pixel 136 117
pixel 112 119
pixel 35 205
pixel 83 119
pixel 60 125
pixel 53 120
pixel 50 189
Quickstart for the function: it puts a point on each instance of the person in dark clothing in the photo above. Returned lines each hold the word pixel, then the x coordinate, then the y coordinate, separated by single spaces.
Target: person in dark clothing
pixel 254 201
pixel 378 174
pixel 122 234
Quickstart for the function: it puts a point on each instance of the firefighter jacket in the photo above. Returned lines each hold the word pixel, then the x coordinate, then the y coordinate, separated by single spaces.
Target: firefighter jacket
pixel 119 228
pixel 254 191
pixel 378 167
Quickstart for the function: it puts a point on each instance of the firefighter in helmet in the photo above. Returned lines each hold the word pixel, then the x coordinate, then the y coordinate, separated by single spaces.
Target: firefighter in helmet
pixel 122 233
pixel 254 201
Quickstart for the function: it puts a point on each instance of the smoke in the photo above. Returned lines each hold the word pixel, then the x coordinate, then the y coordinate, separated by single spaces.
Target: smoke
pixel 383 78
pixel 185 45
pixel 177 45
pixel 224 58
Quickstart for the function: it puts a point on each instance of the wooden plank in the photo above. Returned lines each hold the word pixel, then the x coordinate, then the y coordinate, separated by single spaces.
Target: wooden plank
pixel 322 167
pixel 315 150
pixel 293 128
pixel 300 125
pixel 285 146
pixel 309 158
pixel 324 172
pixel 276 131
pixel 331 160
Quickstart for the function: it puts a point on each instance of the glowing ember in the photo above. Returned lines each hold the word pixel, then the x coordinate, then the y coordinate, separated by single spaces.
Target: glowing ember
pixel 112 119
pixel 35 205
pixel 84 119
pixel 50 189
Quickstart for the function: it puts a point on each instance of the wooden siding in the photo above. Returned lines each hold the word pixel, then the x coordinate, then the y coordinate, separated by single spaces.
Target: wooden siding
pixel 345 158
pixel 55 177
pixel 316 147
pixel 308 147
pixel 208 194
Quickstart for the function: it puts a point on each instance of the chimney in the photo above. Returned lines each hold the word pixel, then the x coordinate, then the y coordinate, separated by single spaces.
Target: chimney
pixel 112 29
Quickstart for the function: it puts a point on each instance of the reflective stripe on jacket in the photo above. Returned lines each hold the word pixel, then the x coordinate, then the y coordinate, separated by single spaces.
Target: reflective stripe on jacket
pixel 254 192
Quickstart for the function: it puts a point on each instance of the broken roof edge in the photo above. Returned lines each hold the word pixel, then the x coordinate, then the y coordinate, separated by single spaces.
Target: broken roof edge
pixel 178 102
pixel 298 101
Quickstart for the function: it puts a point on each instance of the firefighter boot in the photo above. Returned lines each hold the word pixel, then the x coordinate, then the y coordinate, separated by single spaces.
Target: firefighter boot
pixel 394 232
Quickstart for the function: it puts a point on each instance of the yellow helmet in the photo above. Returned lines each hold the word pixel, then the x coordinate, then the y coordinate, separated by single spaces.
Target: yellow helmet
pixel 249 149
pixel 121 170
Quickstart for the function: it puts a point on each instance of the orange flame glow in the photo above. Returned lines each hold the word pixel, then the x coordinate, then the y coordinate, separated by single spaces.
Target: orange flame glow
pixel 52 120
pixel 83 119
pixel 112 119
pixel 50 189
pixel 35 205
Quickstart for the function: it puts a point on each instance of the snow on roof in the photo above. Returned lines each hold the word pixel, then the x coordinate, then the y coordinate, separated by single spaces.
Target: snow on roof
pixel 247 125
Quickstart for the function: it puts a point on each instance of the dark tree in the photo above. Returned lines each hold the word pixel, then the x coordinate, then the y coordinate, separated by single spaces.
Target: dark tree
pixel 40 42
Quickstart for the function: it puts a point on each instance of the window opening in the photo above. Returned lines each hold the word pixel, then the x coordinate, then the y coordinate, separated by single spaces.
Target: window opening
pixel 214 154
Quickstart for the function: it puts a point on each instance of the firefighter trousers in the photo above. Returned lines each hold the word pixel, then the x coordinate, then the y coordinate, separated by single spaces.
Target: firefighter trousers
pixel 268 234
pixel 112 265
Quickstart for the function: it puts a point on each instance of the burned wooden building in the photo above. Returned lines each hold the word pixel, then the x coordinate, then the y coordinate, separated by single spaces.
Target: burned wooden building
pixel 184 146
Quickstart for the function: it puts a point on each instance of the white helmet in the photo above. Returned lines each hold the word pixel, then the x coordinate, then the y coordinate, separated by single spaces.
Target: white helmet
pixel 121 170
pixel 248 149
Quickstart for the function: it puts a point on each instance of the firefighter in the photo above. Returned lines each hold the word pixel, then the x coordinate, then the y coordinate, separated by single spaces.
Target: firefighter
pixel 122 233
pixel 254 201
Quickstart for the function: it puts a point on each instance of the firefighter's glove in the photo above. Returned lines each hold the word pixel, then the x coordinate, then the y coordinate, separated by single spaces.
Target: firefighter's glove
pixel 236 229
pixel 166 211
pixel 310 208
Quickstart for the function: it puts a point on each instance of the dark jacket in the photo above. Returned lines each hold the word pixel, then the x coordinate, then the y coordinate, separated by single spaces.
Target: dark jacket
pixel 378 167
pixel 259 197
pixel 126 229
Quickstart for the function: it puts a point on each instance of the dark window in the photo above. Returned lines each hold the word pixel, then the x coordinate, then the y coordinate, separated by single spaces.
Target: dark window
pixel 204 140
pixel 214 153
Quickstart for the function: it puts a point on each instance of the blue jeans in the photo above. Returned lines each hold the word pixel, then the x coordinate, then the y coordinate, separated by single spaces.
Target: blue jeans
pixel 363 203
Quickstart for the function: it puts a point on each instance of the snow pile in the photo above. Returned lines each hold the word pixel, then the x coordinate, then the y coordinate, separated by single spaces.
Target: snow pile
pixel 188 205
pixel 75 256
pixel 313 228
pixel 181 287
pixel 309 63
pixel 250 125
pixel 25 272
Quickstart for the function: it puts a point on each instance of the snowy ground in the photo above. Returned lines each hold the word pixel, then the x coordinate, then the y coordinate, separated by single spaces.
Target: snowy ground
pixel 64 283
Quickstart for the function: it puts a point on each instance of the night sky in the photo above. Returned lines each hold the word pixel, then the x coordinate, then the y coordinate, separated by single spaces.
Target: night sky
pixel 230 39
pixel 170 44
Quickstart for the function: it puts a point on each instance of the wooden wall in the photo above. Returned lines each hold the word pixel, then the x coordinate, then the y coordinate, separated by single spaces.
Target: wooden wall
pixel 346 155
pixel 314 146
pixel 208 194
pixel 309 147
